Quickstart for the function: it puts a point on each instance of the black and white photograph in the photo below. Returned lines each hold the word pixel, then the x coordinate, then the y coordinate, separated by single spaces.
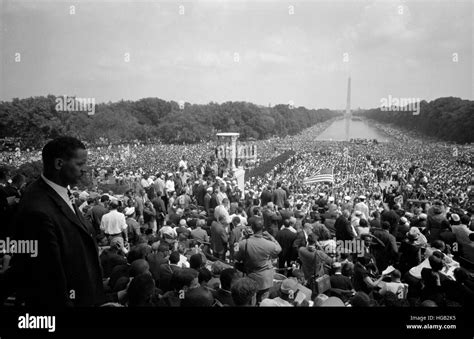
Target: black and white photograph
pixel 160 156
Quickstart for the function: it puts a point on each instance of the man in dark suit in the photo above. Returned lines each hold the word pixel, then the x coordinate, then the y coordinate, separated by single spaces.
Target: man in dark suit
pixel 343 227
pixel 266 196
pixel 285 238
pixel 66 271
pixel 271 219
pixel 385 251
pixel 98 211
pixel 223 294
pixel 219 237
pixel 165 272
pixel 279 196
pixel 286 212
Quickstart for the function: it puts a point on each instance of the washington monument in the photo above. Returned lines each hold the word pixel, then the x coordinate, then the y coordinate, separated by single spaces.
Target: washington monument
pixel 348 114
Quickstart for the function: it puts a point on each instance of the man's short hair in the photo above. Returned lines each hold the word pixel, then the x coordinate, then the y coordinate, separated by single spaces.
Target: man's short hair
pixel 435 263
pixel 198 297
pixel 139 266
pixel 195 261
pixel 62 147
pixel 256 224
pixel 141 290
pixel 243 290
pixel 174 258
pixel 104 198
pixel 183 278
pixel 227 277
pixel 139 251
pixel 204 275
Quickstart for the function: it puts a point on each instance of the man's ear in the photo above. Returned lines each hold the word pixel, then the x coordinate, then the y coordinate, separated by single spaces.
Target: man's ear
pixel 58 163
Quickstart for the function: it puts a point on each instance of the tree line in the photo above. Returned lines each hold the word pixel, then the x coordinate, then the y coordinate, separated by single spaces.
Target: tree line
pixel 449 119
pixel 35 120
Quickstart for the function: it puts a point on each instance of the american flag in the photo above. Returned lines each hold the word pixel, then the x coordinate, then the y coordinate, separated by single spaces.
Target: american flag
pixel 324 175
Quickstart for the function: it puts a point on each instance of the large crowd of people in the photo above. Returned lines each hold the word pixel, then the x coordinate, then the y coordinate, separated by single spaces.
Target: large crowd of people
pixel 394 228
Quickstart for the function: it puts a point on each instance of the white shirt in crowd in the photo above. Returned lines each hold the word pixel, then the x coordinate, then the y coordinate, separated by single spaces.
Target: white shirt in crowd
pixel 183 164
pixel 144 183
pixel 169 186
pixel 183 261
pixel 113 222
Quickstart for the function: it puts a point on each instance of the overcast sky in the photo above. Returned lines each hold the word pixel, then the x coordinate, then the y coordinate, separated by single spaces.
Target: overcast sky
pixel 280 56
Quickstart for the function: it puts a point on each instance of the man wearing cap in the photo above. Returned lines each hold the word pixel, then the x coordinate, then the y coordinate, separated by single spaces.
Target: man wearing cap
pixel 288 295
pixel 133 227
pixel 207 199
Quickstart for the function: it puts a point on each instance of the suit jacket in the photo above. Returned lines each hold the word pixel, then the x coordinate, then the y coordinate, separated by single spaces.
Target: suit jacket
pixel 256 253
pixel 270 221
pixel 279 197
pixel 155 260
pixel 165 272
pixel 300 241
pixel 224 297
pixel 286 238
pixel 286 214
pixel 66 271
pixel 387 255
pixel 219 237
pixel 207 202
pixel 343 229
pixel 96 215
pixel 266 197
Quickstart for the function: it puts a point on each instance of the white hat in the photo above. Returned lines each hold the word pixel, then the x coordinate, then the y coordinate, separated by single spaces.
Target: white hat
pixel 362 197
pixel 455 217
pixel 347 198
pixel 331 198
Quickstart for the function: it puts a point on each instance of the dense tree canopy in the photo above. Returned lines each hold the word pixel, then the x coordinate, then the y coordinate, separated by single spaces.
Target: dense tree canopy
pixel 36 120
pixel 450 119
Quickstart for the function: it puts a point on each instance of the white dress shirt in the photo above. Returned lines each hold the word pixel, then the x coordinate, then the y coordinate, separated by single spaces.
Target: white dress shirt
pixel 113 222
pixel 61 191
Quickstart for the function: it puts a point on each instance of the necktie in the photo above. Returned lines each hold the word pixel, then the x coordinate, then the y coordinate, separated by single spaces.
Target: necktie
pixel 72 200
